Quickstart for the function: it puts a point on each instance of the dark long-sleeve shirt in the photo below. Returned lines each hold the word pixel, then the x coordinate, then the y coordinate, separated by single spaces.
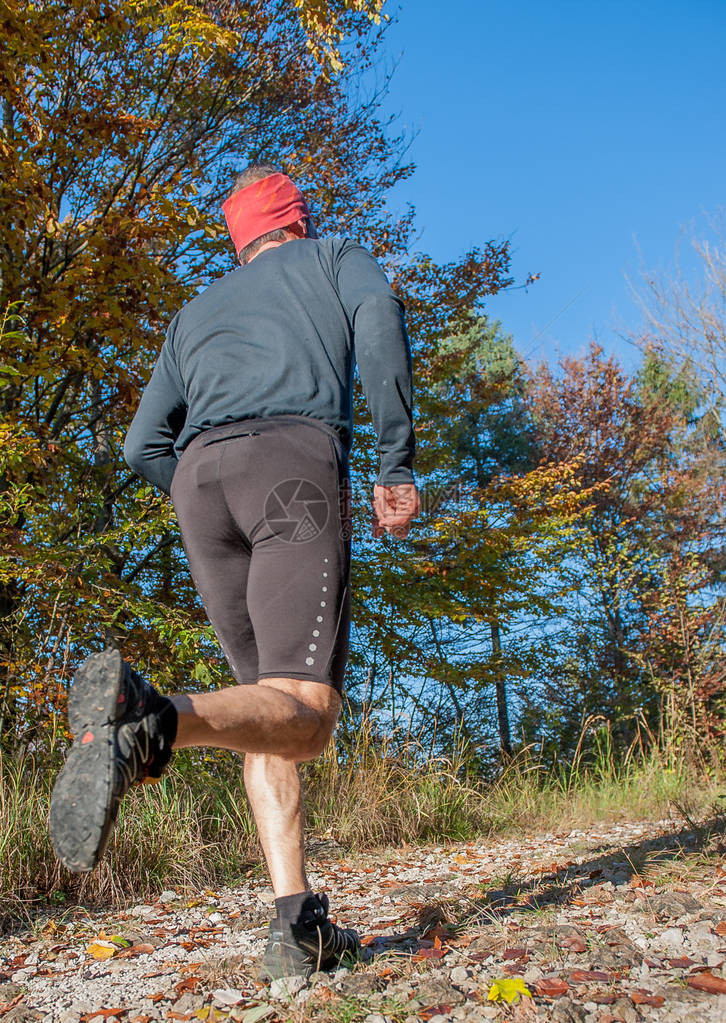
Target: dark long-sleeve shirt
pixel 282 335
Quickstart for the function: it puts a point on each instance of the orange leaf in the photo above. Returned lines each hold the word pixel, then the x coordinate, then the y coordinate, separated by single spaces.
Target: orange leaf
pixel 551 987
pixel 103 1013
pixel 642 997
pixel 707 982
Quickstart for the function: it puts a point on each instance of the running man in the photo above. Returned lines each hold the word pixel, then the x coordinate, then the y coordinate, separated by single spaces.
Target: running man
pixel 247 423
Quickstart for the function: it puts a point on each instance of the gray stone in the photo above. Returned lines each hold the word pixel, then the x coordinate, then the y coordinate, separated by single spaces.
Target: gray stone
pixel 360 984
pixel 565 1010
pixel 672 904
pixel 672 937
pixel 459 975
pixel 436 991
pixel 168 896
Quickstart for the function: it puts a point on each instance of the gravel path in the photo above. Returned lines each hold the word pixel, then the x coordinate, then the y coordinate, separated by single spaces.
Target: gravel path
pixel 623 922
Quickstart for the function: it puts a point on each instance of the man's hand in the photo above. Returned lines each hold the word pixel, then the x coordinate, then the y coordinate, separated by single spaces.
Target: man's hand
pixel 393 509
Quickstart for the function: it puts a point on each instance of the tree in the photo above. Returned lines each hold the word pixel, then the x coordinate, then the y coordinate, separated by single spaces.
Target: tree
pixel 657 480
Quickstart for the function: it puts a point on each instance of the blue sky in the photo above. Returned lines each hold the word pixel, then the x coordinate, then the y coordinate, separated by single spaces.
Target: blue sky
pixel 587 133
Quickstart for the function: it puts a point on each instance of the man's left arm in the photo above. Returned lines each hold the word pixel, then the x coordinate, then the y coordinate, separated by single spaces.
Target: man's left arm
pixel 383 356
pixel 149 444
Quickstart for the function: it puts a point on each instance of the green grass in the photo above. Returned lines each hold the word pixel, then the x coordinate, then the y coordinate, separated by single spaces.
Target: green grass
pixel 194 830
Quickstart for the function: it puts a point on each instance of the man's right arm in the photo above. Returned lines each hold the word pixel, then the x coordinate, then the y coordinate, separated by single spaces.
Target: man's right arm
pixel 149 444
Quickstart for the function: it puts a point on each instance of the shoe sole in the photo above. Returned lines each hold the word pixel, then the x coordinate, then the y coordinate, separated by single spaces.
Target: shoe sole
pixel 82 807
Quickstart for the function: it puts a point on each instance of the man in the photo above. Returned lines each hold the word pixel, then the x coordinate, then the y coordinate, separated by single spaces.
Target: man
pixel 247 423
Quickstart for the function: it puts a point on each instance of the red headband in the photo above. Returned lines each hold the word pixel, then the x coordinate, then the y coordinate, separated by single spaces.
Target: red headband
pixel 261 207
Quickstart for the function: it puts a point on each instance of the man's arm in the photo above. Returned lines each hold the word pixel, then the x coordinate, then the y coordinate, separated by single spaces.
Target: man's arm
pixel 383 356
pixel 149 444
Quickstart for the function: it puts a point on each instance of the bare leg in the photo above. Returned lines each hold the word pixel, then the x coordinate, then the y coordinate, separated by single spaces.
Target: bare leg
pixel 273 789
pixel 277 724
pixel 284 716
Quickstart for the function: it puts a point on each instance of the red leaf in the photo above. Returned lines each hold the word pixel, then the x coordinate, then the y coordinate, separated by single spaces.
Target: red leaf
pixel 435 1010
pixel 575 944
pixel 514 953
pixel 681 964
pixel 707 982
pixel 431 953
pixel 583 976
pixel 551 987
pixel 721 928
pixel 642 997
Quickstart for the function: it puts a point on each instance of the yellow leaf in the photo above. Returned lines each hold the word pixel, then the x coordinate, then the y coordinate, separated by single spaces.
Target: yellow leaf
pixel 101 949
pixel 508 989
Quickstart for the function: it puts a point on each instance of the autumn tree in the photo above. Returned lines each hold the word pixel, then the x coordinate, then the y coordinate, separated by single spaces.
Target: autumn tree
pixel 657 474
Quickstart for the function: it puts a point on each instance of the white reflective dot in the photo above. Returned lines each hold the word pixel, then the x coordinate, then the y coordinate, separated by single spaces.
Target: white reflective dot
pixel 325 575
pixel 325 589
pixel 319 618
pixel 310 660
pixel 325 560
pixel 312 647
pixel 322 603
pixel 316 632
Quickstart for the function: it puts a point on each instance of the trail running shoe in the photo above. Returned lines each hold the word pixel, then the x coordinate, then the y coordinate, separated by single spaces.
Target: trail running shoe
pixel 123 730
pixel 309 944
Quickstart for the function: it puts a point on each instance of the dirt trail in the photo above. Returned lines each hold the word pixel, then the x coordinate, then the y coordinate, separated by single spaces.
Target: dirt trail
pixel 623 922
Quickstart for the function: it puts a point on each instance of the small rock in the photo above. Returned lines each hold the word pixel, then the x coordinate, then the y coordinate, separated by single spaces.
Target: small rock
pixel 143 911
pixel 714 959
pixel 623 1009
pixel 375 1017
pixel 215 918
pixel 460 974
pixel 672 937
pixel 168 896
pixel 286 987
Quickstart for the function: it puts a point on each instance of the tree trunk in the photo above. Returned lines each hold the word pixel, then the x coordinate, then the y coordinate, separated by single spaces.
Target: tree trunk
pixel 505 739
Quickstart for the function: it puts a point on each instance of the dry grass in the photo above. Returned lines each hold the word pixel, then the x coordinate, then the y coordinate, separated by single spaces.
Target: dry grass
pixel 194 829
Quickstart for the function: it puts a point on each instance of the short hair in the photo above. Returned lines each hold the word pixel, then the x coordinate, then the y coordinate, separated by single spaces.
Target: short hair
pixel 256 172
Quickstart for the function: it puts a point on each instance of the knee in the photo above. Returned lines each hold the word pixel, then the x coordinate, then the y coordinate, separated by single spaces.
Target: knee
pixel 318 739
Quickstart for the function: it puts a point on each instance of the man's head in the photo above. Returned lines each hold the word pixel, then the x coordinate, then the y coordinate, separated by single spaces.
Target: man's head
pixel 249 209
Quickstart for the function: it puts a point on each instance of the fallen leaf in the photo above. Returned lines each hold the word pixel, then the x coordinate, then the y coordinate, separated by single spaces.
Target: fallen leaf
pixel 721 928
pixel 514 953
pixel 102 949
pixel 136 950
pixel 190 984
pixel 257 1013
pixel 9 1005
pixel 551 987
pixel 682 963
pixel 103 1013
pixel 508 989
pixel 431 953
pixel 434 1010
pixel 228 996
pixel 642 997
pixel 574 943
pixel 584 976
pixel 707 982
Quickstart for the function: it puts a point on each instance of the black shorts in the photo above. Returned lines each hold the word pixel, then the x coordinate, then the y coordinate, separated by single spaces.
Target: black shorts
pixel 264 511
